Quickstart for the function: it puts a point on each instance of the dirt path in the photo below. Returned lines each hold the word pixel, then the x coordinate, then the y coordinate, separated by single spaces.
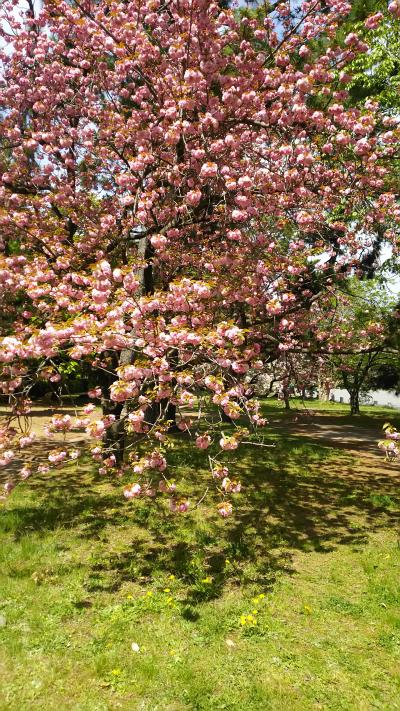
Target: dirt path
pixel 341 435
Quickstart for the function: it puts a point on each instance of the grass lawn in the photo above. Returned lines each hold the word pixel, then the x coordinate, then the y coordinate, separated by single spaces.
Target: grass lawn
pixel 292 603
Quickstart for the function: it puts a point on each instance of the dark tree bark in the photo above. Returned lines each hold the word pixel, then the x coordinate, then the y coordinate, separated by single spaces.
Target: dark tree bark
pixel 323 391
pixel 114 439
pixel 355 382
pixel 286 400
pixel 355 401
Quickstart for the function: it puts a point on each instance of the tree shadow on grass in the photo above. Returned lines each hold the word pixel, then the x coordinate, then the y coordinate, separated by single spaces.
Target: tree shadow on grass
pixel 299 496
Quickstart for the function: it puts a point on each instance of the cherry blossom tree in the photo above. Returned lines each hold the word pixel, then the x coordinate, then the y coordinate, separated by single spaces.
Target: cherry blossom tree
pixel 181 188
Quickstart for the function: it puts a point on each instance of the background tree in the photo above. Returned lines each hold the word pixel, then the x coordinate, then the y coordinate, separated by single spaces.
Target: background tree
pixel 364 316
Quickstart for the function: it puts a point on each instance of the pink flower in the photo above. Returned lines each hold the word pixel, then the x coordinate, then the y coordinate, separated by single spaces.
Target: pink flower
pixel 225 484
pixel 150 492
pixel 186 398
pixel 109 461
pixel 25 472
pixel 88 409
pixel 8 487
pixel 57 456
pixel 96 428
pixel 258 421
pixel 192 77
pixel 351 39
pixel 227 443
pixel 96 453
pixel 43 469
pixel 179 505
pixel 94 393
pixel 373 21
pixel 232 410
pixel 108 420
pixel 209 170
pixel 166 487
pixel 132 491
pixel 184 424
pixel 61 423
pixel 156 461
pixel 6 457
pixel 231 486
pixel 225 509
pixel 193 197
pixel 159 241
pixel 304 51
pixel 135 420
pixel 26 440
pixel 203 441
pixel 220 471
pixel 81 422
pixel 239 215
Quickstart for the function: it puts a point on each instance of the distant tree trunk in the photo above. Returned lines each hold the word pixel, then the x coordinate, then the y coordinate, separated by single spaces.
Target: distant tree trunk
pixel 324 390
pixel 114 437
pixel 284 394
pixel 163 411
pixel 357 382
pixel 170 416
pixel 286 398
pixel 355 400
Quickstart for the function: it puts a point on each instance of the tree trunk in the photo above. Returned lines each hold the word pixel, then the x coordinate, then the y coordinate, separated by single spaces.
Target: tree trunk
pixel 170 417
pixel 115 436
pixel 355 401
pixel 323 391
pixel 225 417
pixel 163 411
pixel 286 399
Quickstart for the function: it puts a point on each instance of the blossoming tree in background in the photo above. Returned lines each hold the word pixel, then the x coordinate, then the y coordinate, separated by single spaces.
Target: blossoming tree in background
pixel 171 174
